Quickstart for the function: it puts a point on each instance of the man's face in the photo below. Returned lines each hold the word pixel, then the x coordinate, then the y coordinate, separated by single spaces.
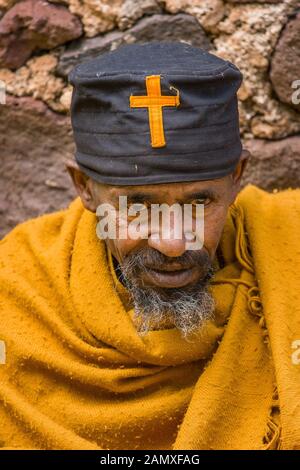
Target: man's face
pixel 166 270
pixel 166 281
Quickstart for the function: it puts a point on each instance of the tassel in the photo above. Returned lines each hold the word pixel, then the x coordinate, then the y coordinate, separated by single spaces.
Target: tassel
pixel 242 245
pixel 271 439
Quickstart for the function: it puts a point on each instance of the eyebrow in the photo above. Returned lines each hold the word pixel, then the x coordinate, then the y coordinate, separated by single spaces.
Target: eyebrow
pixel 140 197
pixel 205 193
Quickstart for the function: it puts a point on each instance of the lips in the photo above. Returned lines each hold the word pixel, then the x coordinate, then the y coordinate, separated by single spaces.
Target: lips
pixel 170 276
pixel 170 268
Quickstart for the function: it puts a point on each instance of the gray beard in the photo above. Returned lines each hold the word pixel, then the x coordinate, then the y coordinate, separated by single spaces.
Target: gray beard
pixel 186 308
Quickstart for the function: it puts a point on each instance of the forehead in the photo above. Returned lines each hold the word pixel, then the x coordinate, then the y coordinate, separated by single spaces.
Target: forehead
pixel 174 191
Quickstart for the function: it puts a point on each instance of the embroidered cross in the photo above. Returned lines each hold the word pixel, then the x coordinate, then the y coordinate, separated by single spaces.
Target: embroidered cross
pixel 155 101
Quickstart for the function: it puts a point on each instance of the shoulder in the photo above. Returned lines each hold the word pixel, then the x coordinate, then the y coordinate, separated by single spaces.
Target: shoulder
pixel 35 236
pixel 255 199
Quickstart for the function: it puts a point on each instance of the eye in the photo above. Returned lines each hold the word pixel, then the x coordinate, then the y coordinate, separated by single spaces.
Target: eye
pixel 196 203
pixel 201 200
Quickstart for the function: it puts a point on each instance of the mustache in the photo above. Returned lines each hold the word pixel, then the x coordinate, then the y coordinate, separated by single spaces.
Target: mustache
pixel 155 259
pixel 148 258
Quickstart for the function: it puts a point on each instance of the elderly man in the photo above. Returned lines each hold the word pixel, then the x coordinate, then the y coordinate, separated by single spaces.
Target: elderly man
pixel 154 341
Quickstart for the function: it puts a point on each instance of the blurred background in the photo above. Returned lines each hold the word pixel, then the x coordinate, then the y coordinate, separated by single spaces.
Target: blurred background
pixel 40 42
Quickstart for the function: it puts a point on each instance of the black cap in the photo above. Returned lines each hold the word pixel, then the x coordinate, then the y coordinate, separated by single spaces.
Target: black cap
pixel 156 113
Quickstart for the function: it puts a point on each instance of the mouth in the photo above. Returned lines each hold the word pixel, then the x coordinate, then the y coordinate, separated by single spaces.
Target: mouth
pixel 170 276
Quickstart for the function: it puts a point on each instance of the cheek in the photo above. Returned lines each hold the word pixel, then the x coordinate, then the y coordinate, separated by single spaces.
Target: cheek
pixel 120 248
pixel 214 221
pixel 123 243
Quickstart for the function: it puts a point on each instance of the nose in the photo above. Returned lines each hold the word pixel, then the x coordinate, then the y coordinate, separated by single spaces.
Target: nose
pixel 168 245
pixel 168 235
pixel 170 248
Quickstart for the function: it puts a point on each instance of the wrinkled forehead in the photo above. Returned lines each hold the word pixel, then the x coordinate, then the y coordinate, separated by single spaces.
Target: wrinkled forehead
pixel 176 192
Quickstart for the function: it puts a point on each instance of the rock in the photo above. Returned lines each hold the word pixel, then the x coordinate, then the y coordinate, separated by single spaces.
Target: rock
pixel 37 78
pixel 63 2
pixel 247 37
pixel 272 119
pixel 265 127
pixel 157 27
pixel 254 1
pixel 66 97
pixel 97 16
pixel 34 141
pixel 31 25
pixel 6 4
pixel 207 12
pixel 274 164
pixel 131 11
pixel 285 64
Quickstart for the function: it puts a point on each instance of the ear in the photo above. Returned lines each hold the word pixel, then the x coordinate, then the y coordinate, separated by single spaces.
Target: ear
pixel 240 168
pixel 82 183
pixel 237 174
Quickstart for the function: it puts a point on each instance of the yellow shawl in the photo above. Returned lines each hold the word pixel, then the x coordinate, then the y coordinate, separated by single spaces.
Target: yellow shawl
pixel 78 376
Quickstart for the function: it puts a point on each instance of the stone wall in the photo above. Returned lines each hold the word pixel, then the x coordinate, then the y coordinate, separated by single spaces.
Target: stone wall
pixel 40 41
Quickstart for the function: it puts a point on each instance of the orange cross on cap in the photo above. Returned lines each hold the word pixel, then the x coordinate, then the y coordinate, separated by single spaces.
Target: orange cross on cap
pixel 155 101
